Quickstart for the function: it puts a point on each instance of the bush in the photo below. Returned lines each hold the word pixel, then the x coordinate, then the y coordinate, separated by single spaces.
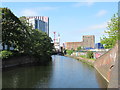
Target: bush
pixel 89 54
pixel 5 54
pixel 79 48
pixel 83 56
pixel 69 52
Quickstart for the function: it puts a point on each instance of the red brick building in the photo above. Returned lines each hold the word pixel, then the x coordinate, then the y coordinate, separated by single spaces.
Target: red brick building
pixel 72 45
pixel 88 41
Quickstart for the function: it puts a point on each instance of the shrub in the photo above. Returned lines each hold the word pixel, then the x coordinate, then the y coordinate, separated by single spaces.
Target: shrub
pixel 5 54
pixel 83 56
pixel 89 54
pixel 79 48
pixel 69 52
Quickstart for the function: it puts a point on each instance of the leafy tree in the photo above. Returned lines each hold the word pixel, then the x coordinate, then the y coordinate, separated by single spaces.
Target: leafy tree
pixel 69 52
pixel 18 32
pixel 90 54
pixel 79 48
pixel 13 32
pixel 112 32
pixel 41 43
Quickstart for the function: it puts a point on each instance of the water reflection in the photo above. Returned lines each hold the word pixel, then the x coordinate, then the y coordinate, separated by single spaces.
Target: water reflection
pixel 62 72
pixel 27 77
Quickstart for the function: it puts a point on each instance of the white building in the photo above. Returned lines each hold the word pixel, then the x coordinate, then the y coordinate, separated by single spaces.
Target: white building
pixel 39 22
pixel 57 43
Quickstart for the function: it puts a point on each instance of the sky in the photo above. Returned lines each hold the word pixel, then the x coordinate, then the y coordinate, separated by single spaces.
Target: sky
pixel 71 20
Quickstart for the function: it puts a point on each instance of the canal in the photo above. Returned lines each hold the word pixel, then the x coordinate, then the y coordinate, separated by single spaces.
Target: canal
pixel 62 72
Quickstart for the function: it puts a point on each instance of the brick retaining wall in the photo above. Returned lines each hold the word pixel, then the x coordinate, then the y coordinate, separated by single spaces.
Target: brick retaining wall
pixel 106 64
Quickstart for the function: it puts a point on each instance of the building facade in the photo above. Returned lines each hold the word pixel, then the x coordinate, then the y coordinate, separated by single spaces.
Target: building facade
pixel 73 45
pixel 87 42
pixel 39 22
pixel 57 43
pixel 99 46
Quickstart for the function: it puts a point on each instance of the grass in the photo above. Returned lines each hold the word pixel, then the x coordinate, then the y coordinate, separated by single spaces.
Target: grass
pixel 84 56
pixel 84 61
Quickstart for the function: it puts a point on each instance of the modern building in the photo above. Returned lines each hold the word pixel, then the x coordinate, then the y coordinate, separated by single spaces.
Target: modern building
pixel 87 42
pixel 99 46
pixel 39 22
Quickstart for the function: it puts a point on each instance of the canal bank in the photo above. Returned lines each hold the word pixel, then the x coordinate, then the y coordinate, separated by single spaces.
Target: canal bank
pixel 84 60
pixel 24 60
pixel 106 65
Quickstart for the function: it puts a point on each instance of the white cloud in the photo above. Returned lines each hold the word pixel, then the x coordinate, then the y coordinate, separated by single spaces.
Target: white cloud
pixel 36 11
pixel 47 8
pixel 28 12
pixel 92 28
pixel 100 26
pixel 101 13
pixel 83 4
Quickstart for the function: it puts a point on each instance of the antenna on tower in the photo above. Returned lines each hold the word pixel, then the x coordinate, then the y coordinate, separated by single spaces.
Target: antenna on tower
pixel 58 35
pixel 54 36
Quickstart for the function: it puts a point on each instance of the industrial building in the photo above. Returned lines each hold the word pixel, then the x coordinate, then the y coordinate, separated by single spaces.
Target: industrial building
pixel 88 41
pixel 72 45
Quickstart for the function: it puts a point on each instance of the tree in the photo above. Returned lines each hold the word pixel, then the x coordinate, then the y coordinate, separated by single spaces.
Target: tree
pixel 112 32
pixel 90 54
pixel 13 32
pixel 26 40
pixel 9 25
pixel 79 48
pixel 69 52
pixel 41 43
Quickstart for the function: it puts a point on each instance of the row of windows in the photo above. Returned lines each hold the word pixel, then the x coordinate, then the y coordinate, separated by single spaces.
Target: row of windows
pixel 40 25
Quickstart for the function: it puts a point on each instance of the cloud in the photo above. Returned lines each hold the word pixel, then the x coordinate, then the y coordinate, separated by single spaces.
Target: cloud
pixel 29 12
pixel 36 11
pixel 100 26
pixel 83 4
pixel 101 13
pixel 95 27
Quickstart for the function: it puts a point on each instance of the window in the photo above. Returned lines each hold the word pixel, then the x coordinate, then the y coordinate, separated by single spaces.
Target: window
pixel 36 24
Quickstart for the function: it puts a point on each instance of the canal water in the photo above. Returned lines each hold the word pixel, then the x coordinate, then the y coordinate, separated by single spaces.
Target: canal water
pixel 62 72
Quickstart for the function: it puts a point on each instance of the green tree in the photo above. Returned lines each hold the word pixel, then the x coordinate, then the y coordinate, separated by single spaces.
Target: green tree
pixel 79 48
pixel 90 54
pixel 41 43
pixel 18 32
pixel 13 32
pixel 112 32
pixel 69 52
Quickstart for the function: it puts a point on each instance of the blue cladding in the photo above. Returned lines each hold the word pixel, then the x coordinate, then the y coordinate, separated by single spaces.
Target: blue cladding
pixel 99 46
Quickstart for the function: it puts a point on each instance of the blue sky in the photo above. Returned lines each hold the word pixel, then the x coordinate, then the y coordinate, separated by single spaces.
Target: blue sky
pixel 71 19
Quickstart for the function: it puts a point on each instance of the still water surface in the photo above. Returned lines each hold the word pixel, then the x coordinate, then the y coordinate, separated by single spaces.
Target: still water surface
pixel 62 72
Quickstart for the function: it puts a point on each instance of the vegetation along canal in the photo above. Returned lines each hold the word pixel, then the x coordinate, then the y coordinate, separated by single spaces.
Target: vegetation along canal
pixel 62 72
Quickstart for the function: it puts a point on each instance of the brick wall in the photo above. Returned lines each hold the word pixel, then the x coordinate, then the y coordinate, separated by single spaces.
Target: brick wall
pixel 106 63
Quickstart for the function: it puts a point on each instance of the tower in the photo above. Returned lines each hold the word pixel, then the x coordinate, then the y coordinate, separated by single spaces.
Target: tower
pixel 57 41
